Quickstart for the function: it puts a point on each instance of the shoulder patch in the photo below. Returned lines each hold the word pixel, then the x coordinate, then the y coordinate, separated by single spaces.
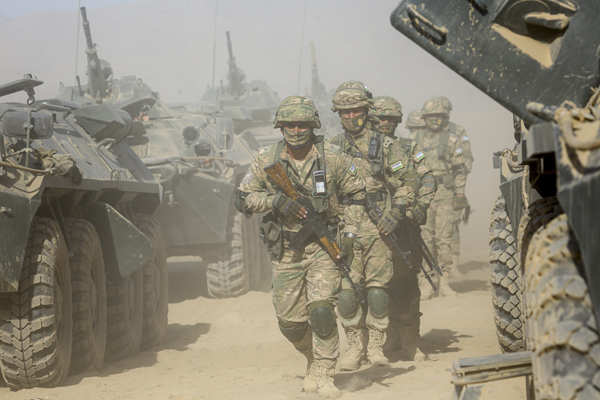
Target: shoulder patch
pixel 419 156
pixel 398 165
pixel 465 138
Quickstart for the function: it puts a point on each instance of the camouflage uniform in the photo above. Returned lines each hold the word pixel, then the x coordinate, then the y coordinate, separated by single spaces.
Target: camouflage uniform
pixel 405 296
pixel 389 182
pixel 459 210
pixel 306 282
pixel 446 159
pixel 414 122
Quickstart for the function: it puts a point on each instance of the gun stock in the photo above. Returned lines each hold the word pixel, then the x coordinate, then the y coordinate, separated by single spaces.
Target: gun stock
pixel 278 175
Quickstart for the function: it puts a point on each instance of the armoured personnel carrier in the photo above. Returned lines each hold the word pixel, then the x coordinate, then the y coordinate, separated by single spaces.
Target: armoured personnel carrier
pixel 540 60
pixel 191 154
pixel 250 105
pixel 83 267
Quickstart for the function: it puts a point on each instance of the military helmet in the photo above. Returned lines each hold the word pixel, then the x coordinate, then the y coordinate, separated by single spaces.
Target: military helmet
pixel 386 106
pixel 351 94
pixel 437 105
pixel 297 109
pixel 415 120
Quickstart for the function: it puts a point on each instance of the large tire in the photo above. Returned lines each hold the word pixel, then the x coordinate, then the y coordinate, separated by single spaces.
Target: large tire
pixel 561 327
pixel 88 277
pixel 257 260
pixel 35 340
pixel 227 276
pixel 125 315
pixel 506 280
pixel 156 284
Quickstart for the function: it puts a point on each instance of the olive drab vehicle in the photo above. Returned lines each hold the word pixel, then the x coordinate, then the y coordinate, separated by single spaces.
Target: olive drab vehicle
pixel 82 266
pixel 540 60
pixel 191 156
pixel 250 105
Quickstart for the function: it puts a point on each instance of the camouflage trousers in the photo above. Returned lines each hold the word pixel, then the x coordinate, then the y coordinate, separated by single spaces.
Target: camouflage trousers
pixel 458 216
pixel 372 267
pixel 439 230
pixel 300 279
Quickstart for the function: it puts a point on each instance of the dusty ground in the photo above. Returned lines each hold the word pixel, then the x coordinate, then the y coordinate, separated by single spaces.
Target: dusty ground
pixel 232 349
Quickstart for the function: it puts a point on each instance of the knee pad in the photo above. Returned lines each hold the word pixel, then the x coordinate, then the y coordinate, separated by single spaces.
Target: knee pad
pixel 293 331
pixel 322 319
pixel 378 301
pixel 347 303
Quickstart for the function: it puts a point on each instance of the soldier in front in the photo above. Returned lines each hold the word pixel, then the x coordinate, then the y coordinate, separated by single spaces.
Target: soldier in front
pixel 305 278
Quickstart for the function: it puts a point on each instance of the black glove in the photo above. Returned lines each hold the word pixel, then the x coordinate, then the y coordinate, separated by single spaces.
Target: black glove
pixel 348 248
pixel 288 207
pixel 390 219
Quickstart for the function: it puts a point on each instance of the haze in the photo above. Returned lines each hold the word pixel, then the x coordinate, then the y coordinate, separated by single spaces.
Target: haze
pixel 169 45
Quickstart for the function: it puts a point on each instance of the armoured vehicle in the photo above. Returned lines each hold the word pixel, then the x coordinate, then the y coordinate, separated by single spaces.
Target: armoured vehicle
pixel 540 60
pixel 83 266
pixel 191 155
pixel 250 105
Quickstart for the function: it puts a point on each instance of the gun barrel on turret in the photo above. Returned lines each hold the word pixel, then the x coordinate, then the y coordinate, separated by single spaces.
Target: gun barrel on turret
pixel 317 88
pixel 86 29
pixel 97 80
pixel 235 75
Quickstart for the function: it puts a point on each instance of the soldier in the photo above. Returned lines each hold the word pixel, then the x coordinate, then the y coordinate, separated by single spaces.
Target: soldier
pixel 414 122
pixel 405 296
pixel 305 279
pixel 443 142
pixel 383 165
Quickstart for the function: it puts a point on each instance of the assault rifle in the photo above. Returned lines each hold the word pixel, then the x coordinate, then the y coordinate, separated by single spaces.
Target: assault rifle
pixel 407 233
pixel 313 226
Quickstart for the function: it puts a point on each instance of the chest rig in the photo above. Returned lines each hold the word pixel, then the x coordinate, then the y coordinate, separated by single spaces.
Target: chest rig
pixel 440 148
pixel 319 196
pixel 374 154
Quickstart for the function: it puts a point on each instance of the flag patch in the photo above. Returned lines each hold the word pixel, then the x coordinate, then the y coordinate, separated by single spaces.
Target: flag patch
pixel 419 156
pixel 459 151
pixel 396 166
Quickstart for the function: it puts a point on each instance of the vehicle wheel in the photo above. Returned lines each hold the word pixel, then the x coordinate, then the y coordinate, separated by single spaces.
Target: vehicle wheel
pixel 256 256
pixel 227 276
pixel 88 278
pixel 156 284
pixel 506 280
pixel 35 339
pixel 125 315
pixel 561 327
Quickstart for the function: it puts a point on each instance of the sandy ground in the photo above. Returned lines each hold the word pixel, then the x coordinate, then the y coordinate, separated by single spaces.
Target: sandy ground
pixel 232 349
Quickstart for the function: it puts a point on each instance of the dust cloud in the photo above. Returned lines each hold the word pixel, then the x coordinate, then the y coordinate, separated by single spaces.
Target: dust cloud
pixel 169 45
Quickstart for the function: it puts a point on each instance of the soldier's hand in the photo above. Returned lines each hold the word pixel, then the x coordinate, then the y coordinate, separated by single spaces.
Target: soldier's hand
pixel 288 207
pixel 389 220
pixel 460 202
pixel 347 247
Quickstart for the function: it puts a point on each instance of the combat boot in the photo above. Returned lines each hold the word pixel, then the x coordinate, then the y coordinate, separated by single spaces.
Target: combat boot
pixel 425 287
pixel 324 371
pixel 305 347
pixel 351 358
pixel 375 347
pixel 444 288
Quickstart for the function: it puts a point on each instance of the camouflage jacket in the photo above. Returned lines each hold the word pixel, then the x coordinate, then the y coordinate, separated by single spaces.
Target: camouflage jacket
pixel 448 155
pixel 342 181
pixel 392 174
